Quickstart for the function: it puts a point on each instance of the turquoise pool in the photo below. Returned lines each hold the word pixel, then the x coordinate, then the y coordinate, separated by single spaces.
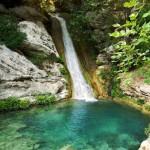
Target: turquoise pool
pixel 75 124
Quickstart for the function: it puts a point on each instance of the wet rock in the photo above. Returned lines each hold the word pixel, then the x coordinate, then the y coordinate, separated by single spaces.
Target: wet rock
pixel 145 145
pixel 101 81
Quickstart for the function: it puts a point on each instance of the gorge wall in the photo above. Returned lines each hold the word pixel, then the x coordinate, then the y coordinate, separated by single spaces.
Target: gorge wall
pixel 34 68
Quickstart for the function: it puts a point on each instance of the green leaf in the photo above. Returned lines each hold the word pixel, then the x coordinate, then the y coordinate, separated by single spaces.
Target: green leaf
pixel 145 15
pixel 115 34
pixel 116 25
pixel 130 4
pixel 133 16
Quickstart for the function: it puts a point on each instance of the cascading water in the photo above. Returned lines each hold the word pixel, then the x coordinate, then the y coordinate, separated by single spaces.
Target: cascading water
pixel 81 89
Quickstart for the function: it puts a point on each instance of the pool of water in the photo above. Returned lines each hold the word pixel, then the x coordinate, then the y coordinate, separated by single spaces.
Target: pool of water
pixel 75 124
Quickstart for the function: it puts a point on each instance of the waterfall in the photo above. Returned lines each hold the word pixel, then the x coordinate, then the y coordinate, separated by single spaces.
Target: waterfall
pixel 81 89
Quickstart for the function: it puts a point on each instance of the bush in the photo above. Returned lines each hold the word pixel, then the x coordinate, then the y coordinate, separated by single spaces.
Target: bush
pixel 147 130
pixel 45 99
pixel 140 102
pixel 24 104
pixel 147 107
pixel 10 35
pixel 13 103
pixel 133 38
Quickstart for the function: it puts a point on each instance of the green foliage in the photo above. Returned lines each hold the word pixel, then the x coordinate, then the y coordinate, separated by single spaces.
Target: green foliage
pixel 116 91
pixel 14 103
pixel 24 104
pixel 133 38
pixel 36 58
pixel 63 71
pixel 45 99
pixel 140 102
pixel 147 130
pixel 9 33
pixel 147 107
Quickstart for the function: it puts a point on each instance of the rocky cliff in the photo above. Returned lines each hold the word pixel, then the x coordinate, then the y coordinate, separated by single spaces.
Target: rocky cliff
pixel 33 68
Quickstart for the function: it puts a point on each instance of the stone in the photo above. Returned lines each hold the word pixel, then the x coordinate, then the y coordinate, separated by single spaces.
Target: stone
pixel 102 81
pixel 14 66
pixel 134 87
pixel 102 59
pixel 37 38
pixel 145 145
pixel 27 13
pixel 20 78
pixel 28 88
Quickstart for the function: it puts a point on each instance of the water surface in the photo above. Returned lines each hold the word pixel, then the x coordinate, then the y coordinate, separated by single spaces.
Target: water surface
pixel 80 125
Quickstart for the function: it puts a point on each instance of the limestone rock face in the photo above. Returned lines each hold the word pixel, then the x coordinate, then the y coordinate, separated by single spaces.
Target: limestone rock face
pixel 20 78
pixel 38 38
pixel 134 86
pixel 29 88
pixel 16 67
pixel 27 13
pixel 101 81
pixel 145 145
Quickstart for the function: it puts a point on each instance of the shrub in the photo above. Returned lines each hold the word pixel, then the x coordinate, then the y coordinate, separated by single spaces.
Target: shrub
pixel 13 103
pixel 10 35
pixel 133 37
pixel 147 107
pixel 147 130
pixel 24 104
pixel 45 99
pixel 63 71
pixel 140 102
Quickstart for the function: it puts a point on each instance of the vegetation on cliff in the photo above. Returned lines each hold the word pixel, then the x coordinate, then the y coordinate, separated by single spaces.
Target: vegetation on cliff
pixel 11 36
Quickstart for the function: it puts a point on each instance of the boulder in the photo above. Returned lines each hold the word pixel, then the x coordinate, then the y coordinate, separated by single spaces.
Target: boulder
pixel 27 13
pixel 20 78
pixel 134 86
pixel 145 145
pixel 37 38
pixel 14 66
pixel 29 88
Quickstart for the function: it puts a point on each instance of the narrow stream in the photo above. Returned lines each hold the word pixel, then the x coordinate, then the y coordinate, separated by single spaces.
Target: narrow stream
pixel 81 89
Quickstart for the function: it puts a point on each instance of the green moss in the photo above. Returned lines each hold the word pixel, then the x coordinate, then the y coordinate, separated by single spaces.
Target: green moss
pixel 45 99
pixel 14 103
